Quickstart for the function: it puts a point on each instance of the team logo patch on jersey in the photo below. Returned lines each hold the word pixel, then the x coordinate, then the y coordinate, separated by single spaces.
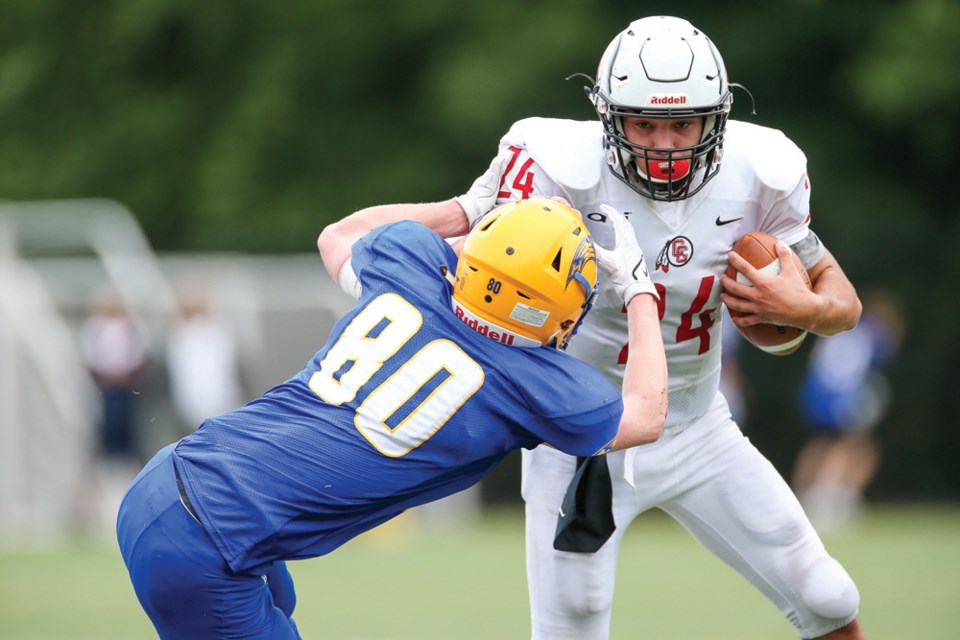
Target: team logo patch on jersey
pixel 675 253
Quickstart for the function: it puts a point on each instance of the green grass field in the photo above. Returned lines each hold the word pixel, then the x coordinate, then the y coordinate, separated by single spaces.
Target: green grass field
pixel 467 583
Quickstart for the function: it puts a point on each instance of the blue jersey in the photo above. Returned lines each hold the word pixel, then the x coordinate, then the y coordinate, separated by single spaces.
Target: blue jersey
pixel 404 404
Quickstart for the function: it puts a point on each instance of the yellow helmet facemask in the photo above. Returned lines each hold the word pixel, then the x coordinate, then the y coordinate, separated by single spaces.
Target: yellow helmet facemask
pixel 527 274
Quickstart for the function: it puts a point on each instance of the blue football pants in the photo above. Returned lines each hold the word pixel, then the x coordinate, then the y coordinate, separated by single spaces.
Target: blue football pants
pixel 183 583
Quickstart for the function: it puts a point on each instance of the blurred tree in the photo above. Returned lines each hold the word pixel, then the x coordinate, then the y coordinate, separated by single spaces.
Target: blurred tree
pixel 245 126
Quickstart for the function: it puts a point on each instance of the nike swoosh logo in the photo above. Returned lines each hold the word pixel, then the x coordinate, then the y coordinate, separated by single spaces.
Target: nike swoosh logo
pixel 562 514
pixel 720 222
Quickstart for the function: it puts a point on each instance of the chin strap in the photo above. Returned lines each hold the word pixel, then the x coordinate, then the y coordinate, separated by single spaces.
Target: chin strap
pixel 587 305
pixel 448 275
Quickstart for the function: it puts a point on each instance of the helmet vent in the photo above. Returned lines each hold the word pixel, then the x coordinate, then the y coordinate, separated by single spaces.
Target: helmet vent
pixel 556 260
pixel 576 231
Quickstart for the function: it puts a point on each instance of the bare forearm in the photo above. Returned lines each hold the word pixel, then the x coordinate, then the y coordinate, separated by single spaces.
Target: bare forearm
pixel 645 377
pixel 839 308
pixel 336 240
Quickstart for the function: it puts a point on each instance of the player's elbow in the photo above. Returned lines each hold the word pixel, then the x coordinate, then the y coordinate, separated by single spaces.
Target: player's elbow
pixel 641 423
pixel 653 427
pixel 327 240
pixel 334 248
pixel 634 433
pixel 840 314
pixel 854 313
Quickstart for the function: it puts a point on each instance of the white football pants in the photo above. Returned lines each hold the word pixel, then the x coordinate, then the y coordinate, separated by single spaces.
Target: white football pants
pixel 714 482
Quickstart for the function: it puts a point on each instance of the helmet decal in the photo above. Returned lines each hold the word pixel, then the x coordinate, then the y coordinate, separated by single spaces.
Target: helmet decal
pixel 529 315
pixel 584 255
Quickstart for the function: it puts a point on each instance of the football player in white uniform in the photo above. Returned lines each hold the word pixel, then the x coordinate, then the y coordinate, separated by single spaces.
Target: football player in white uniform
pixel 691 182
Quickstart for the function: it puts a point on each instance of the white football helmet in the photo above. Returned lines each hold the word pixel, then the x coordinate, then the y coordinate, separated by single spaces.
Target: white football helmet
pixel 662 67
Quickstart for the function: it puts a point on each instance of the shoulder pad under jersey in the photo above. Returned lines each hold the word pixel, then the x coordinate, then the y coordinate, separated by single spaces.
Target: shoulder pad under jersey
pixel 775 159
pixel 570 151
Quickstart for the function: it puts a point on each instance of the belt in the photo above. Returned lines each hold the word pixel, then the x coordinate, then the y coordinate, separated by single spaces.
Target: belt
pixel 184 500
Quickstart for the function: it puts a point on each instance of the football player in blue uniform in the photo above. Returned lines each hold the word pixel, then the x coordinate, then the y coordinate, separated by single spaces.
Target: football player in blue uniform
pixel 443 367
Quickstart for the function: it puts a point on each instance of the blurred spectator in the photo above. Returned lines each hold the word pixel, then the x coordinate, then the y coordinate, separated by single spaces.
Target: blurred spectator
pixel 202 362
pixel 114 344
pixel 844 395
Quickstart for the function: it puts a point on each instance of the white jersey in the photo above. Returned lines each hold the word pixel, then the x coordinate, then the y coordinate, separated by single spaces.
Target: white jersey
pixel 762 185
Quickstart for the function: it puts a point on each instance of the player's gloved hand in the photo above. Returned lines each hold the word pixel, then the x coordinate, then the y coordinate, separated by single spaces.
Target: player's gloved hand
pixel 482 196
pixel 623 266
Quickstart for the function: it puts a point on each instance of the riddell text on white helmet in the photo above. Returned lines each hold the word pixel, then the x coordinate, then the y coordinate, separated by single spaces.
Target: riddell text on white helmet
pixel 668 99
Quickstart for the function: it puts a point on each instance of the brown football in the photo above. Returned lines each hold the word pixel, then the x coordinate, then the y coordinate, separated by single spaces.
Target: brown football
pixel 759 249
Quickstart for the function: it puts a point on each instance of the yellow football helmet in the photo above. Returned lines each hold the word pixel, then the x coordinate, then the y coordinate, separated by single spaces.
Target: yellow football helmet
pixel 527 274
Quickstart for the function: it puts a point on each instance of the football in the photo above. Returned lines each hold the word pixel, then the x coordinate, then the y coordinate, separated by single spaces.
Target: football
pixel 759 249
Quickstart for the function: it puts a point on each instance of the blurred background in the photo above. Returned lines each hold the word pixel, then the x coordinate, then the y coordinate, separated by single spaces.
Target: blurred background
pixel 167 167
